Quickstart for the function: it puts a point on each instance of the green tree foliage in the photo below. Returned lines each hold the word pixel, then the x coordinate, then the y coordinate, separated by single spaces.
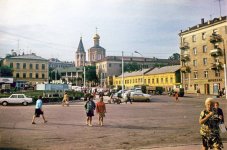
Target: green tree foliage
pixel 130 67
pixel 91 74
pixel 6 71
pixel 175 56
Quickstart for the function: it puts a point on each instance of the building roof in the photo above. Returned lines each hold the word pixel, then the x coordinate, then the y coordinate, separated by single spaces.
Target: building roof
pixel 136 73
pixel 166 69
pixel 28 56
pixel 69 69
pixel 97 47
pixel 80 47
pixel 204 24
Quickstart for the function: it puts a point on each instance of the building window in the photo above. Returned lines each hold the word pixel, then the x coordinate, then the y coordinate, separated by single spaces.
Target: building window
pixel 24 65
pixel 204 48
pixel 195 86
pixel 195 74
pixel 30 66
pixel 205 61
pixel 195 51
pixel 161 80
pixel 194 38
pixel 149 81
pixel 217 73
pixel 166 80
pixel 194 63
pixel 17 75
pixel 36 66
pixel 18 65
pixel 145 81
pixel 171 80
pixel 43 66
pixel 203 35
pixel 157 81
pixel 205 74
pixel 30 75
pixel 109 65
pixel 36 75
pixel 11 65
pixel 24 75
pixel 43 76
pixel 152 81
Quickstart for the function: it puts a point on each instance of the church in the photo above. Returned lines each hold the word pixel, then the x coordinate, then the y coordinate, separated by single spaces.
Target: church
pixel 95 53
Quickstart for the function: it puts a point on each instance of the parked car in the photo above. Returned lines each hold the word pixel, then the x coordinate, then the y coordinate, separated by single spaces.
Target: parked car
pixel 140 97
pixel 16 99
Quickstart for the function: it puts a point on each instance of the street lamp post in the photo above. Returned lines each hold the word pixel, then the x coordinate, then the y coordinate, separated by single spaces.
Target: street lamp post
pixel 122 77
pixel 142 65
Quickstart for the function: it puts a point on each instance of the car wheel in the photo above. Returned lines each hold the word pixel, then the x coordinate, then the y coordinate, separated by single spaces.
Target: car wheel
pixel 4 103
pixel 25 103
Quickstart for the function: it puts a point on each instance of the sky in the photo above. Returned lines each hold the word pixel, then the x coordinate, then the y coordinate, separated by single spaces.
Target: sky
pixel 52 28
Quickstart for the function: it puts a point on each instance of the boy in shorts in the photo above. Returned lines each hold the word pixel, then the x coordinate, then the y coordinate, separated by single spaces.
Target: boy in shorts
pixel 38 110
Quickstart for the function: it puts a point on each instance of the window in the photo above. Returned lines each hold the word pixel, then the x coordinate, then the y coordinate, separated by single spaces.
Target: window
pixel 30 75
pixel 204 48
pixel 205 61
pixel 30 66
pixel 161 80
pixel 217 73
pixel 18 65
pixel 194 63
pixel 205 74
pixel 43 66
pixel 24 75
pixel 145 81
pixel 171 80
pixel 36 66
pixel 194 38
pixel 195 74
pixel 11 65
pixel 195 86
pixel 166 80
pixel 157 81
pixel 109 65
pixel 203 35
pixel 152 81
pixel 21 96
pixel 195 51
pixel 17 75
pixel 36 75
pixel 149 81
pixel 24 65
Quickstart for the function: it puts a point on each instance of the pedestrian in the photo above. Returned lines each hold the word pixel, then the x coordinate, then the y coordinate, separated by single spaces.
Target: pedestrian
pixel 89 108
pixel 219 112
pixel 65 100
pixel 209 130
pixel 101 110
pixel 176 96
pixel 128 98
pixel 38 110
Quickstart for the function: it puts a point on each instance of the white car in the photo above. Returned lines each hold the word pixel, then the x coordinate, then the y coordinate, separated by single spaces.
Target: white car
pixel 16 99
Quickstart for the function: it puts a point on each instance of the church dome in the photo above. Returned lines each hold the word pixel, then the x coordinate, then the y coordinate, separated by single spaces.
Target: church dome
pixel 96 36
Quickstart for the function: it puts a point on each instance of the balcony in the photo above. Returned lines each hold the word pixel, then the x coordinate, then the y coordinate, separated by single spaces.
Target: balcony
pixel 185 69
pixel 216 66
pixel 216 52
pixel 185 57
pixel 184 46
pixel 215 38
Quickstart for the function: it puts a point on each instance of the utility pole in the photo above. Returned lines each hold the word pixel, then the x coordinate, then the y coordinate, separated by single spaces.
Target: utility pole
pixel 84 76
pixel 122 77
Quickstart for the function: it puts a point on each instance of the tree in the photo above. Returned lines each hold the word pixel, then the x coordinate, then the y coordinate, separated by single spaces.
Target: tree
pixel 6 71
pixel 175 56
pixel 130 67
pixel 91 74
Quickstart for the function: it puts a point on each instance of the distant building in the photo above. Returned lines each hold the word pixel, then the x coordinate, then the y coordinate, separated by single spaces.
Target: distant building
pixel 202 56
pixel 56 63
pixel 112 65
pixel 80 58
pixel 167 77
pixel 28 68
pixel 96 52
pixel 72 75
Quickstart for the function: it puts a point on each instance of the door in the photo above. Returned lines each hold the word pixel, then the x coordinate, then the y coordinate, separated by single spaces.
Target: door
pixel 207 89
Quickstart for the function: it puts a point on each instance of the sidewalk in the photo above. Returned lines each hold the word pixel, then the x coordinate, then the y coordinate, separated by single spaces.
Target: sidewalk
pixel 182 147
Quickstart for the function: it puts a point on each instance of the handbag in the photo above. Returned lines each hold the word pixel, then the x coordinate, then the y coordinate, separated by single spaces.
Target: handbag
pixel 222 127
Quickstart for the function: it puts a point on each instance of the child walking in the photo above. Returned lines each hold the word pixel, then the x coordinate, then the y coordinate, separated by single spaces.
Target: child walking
pixel 101 110
pixel 38 110
pixel 89 108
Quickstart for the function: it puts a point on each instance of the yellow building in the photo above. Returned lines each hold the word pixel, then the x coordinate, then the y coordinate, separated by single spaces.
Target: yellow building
pixel 202 56
pixel 167 77
pixel 28 68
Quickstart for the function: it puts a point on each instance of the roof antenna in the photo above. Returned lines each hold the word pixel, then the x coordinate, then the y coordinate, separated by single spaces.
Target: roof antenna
pixel 219 6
